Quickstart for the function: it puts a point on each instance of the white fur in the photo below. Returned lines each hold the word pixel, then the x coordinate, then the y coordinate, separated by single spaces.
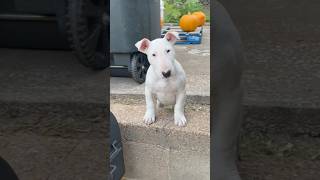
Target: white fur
pixel 171 90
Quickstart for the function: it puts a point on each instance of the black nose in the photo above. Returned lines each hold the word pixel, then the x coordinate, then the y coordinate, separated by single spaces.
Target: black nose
pixel 166 74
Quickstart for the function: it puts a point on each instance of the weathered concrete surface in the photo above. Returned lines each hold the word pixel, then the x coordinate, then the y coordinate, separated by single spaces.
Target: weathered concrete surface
pixel 37 157
pixel 52 116
pixel 178 146
pixel 49 76
pixel 146 161
pixel 195 60
pixel 286 140
pixel 163 132
pixel 54 141
pixel 151 162
pixel 281 42
pixel 189 165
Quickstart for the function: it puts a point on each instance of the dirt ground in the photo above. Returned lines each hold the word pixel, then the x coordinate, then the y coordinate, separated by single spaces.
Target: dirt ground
pixel 280 144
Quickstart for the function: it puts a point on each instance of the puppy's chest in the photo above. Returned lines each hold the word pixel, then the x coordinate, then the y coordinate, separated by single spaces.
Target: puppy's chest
pixel 165 86
pixel 166 91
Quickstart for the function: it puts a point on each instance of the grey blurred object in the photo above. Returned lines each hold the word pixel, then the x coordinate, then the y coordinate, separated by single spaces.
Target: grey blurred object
pixel 6 171
pixel 227 95
pixel 79 25
pixel 130 21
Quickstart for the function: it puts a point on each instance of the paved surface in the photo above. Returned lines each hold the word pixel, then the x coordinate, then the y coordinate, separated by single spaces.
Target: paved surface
pixel 48 76
pixel 163 150
pixel 52 116
pixel 195 60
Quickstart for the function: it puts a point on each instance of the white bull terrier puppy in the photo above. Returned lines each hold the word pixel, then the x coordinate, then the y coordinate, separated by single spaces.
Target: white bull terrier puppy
pixel 165 77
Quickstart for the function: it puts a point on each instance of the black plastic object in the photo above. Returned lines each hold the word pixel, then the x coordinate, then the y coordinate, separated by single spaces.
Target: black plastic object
pixel 6 172
pixel 139 67
pixel 131 21
pixel 227 95
pixel 116 151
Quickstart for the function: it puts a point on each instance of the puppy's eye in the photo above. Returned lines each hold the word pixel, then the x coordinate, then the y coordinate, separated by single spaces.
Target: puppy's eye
pixel 168 50
pixel 153 54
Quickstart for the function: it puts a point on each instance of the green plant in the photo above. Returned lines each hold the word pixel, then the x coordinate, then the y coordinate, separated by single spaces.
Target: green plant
pixel 175 9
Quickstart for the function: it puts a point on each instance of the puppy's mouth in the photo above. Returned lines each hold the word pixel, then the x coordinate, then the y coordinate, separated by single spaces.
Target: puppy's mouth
pixel 166 79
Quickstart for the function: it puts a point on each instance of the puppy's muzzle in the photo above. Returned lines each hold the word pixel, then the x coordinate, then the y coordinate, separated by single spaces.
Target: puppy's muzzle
pixel 166 74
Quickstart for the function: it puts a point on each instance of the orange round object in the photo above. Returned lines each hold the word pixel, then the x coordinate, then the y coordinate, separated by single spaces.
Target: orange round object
pixel 201 17
pixel 188 22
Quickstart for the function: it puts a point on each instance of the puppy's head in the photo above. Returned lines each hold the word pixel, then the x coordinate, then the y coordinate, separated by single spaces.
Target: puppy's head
pixel 160 52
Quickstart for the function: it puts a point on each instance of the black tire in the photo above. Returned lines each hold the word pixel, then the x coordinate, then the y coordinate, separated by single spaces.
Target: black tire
pixel 139 67
pixel 86 28
pixel 6 171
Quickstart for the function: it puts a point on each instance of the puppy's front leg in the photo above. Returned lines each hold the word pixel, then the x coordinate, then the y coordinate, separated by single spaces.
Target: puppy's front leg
pixel 179 118
pixel 149 116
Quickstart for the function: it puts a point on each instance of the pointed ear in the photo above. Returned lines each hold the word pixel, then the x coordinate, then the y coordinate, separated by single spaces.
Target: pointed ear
pixel 172 37
pixel 143 45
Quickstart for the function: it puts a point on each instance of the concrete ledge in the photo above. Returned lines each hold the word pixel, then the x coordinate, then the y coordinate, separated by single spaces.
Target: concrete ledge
pixel 145 162
pixel 162 149
pixel 193 99
pixel 64 120
pixel 195 136
pixel 41 76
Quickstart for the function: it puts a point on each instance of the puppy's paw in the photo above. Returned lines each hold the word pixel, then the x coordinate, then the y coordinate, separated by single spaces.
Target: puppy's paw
pixel 180 119
pixel 149 118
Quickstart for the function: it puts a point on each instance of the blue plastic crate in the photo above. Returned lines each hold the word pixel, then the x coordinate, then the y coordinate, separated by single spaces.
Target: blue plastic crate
pixel 185 37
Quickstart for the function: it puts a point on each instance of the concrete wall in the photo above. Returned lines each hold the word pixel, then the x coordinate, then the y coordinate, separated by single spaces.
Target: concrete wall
pixel 281 40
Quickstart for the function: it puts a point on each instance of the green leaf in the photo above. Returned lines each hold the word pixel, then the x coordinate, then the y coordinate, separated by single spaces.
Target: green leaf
pixel 174 10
